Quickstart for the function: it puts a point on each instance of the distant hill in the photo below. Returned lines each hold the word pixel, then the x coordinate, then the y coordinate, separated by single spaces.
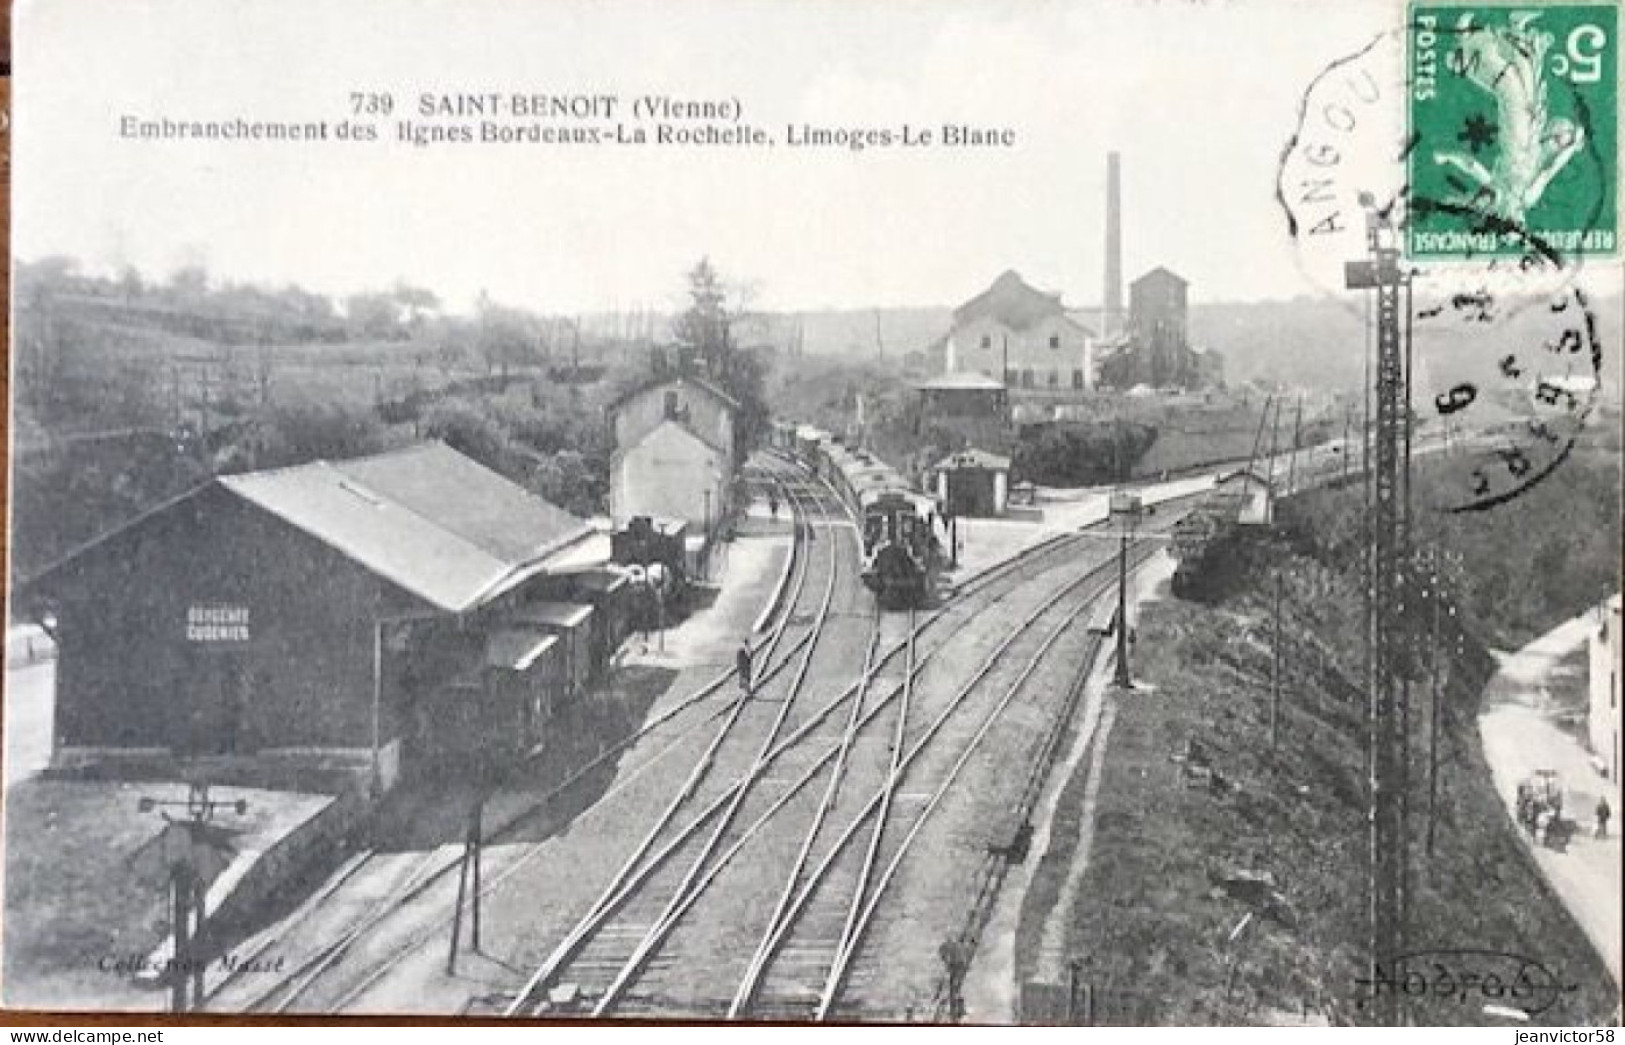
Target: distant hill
pixel 851 332
pixel 1317 343
pixel 1305 342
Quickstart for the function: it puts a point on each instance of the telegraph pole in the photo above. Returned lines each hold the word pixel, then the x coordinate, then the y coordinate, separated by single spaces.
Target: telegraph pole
pixel 1348 417
pixel 1258 436
pixel 1439 572
pixel 468 867
pixel 1123 679
pixel 1126 507
pixel 1275 435
pixel 1297 435
pixel 1389 518
pixel 1275 672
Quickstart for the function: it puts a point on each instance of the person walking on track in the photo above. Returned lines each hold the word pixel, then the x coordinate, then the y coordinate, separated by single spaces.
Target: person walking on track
pixel 1603 813
pixel 742 662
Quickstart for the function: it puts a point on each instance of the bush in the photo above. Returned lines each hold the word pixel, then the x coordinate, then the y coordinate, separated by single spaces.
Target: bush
pixel 1082 454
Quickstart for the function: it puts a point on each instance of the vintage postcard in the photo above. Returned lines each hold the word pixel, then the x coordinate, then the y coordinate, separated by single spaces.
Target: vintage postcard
pixel 1082 512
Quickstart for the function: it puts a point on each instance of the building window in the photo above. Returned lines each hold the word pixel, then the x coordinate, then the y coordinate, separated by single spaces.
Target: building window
pixel 1054 378
pixel 1009 378
pixel 1077 379
pixel 987 342
pixel 1027 378
pixel 1055 341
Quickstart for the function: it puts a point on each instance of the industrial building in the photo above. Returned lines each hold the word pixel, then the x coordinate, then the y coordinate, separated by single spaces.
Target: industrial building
pixel 675 454
pixel 1041 349
pixel 1155 348
pixel 361 617
pixel 1022 335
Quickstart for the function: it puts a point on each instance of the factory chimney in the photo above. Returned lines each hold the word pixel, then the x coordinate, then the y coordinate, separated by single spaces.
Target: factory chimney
pixel 1112 302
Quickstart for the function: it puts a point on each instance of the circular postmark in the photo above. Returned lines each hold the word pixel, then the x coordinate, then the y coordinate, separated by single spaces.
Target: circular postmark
pixel 1420 143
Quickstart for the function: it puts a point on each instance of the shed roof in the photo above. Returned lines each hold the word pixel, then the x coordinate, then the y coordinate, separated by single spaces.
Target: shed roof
pixel 973 458
pixel 963 379
pixel 681 381
pixel 1011 301
pixel 517 649
pixel 438 524
pixel 558 614
pixel 1161 275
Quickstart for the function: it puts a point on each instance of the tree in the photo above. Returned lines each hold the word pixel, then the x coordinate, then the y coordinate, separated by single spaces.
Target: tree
pixel 130 284
pixel 299 433
pixel 706 333
pixel 469 430
pixel 189 284
pixel 706 328
pixel 415 303
pixel 374 315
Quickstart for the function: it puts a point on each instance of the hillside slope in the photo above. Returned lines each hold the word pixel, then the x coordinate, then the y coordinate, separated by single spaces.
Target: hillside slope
pixel 1155 929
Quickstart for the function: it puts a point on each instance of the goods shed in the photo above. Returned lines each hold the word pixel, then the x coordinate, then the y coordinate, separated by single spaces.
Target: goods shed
pixel 307 613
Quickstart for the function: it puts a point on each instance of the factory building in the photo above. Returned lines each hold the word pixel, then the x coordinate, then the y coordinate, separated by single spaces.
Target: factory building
pixel 1022 335
pixel 1155 350
pixel 675 453
pixel 353 616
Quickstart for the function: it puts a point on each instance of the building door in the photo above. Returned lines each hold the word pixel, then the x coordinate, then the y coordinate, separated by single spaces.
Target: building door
pixel 217 711
pixel 232 708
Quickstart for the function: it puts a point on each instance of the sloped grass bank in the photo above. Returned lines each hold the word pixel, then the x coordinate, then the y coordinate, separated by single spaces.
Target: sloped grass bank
pixel 1155 929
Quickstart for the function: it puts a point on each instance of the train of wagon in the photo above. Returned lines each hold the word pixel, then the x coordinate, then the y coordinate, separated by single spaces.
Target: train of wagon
pixel 902 552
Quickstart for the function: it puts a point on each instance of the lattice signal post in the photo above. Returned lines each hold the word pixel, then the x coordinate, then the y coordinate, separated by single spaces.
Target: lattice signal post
pixel 1389 519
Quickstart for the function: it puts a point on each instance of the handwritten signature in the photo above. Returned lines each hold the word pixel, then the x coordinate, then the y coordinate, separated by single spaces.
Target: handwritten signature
pixel 1469 976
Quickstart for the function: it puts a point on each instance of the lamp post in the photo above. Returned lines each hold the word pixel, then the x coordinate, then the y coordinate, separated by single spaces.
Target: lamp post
pixel 705 570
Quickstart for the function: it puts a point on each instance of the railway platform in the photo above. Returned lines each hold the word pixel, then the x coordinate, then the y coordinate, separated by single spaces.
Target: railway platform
pixel 745 580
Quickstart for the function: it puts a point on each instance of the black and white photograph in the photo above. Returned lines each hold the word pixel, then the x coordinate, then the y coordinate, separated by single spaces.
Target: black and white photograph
pixel 995 512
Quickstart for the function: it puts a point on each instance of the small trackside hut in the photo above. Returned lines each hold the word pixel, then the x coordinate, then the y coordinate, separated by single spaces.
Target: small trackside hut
pixel 973 483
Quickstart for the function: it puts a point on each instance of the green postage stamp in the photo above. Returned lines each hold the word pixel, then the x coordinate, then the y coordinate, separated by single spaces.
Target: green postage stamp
pixel 1513 129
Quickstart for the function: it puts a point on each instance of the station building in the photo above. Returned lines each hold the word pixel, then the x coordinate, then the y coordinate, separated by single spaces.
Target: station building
pixel 356 617
pixel 675 453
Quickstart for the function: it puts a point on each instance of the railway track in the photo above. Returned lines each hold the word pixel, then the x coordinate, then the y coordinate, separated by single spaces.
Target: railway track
pixel 704 749
pixel 806 966
pixel 632 916
pixel 667 732
pixel 808 739
pixel 642 985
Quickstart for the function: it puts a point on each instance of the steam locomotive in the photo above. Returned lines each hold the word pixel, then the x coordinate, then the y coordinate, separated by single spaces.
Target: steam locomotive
pixel 901 551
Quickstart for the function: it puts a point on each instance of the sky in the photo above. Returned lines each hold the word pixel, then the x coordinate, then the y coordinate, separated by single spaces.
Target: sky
pixel 1199 98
